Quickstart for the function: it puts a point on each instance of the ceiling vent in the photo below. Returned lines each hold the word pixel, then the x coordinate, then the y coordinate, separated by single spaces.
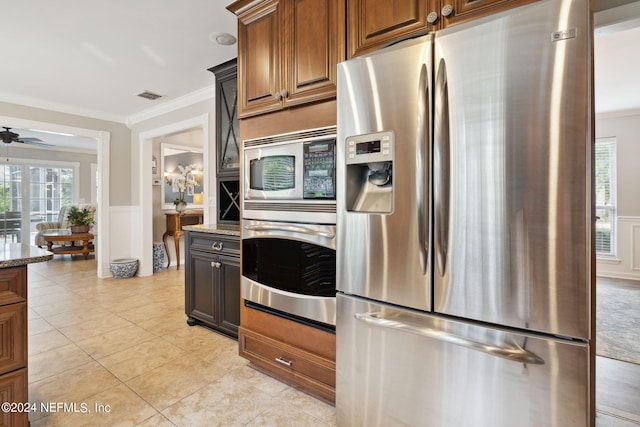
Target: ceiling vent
pixel 149 95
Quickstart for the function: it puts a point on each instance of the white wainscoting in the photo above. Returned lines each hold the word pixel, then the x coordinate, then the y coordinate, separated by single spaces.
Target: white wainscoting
pixel 122 234
pixel 626 265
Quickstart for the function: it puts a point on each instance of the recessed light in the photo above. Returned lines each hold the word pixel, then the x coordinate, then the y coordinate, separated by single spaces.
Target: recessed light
pixel 224 39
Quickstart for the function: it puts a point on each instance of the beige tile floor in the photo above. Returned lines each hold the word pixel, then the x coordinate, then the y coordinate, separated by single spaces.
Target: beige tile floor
pixel 124 346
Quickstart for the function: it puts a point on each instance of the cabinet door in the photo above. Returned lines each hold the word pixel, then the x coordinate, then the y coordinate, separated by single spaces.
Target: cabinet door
pixel 314 45
pixel 229 306
pixel 13 388
pixel 13 337
pixel 203 284
pixel 259 38
pixel 227 132
pixel 458 11
pixel 13 285
pixel 375 23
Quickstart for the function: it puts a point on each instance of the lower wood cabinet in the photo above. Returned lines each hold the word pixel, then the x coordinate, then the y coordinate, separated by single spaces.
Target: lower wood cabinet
pixel 13 337
pixel 13 343
pixel 297 354
pixel 13 389
pixel 212 281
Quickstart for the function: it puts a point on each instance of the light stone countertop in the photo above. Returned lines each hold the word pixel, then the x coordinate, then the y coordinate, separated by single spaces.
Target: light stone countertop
pixel 16 254
pixel 229 230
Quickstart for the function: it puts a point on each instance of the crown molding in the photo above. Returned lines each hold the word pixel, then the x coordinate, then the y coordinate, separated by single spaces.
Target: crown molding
pixel 60 108
pixel 617 19
pixel 200 95
pixel 615 114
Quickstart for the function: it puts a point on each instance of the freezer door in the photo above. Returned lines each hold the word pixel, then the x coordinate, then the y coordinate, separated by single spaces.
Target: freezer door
pixel 383 96
pixel 399 368
pixel 512 138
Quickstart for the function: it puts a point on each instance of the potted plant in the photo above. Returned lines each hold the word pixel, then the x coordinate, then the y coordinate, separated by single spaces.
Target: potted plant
pixel 80 219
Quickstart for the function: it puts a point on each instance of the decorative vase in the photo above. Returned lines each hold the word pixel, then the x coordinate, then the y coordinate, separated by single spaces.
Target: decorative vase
pixel 77 229
pixel 181 206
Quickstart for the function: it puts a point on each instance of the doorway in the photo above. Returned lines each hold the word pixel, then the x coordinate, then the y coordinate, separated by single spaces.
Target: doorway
pixel 146 139
pixel 102 139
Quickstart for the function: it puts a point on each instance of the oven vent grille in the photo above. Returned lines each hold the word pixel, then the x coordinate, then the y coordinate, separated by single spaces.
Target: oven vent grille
pixel 304 135
pixel 291 207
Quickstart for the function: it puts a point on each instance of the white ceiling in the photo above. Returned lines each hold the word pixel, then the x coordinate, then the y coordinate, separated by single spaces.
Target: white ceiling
pixel 92 57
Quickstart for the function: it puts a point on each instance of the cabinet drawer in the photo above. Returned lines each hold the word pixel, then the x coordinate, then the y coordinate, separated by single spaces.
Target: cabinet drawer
pixel 13 285
pixel 13 389
pixel 215 243
pixel 313 374
pixel 13 337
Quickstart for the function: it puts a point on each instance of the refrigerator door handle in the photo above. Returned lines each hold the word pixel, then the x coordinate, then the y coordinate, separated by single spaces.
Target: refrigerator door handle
pixel 422 141
pixel 442 147
pixel 515 354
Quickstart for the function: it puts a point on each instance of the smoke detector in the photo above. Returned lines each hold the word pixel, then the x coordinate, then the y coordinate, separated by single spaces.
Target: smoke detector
pixel 224 39
pixel 149 95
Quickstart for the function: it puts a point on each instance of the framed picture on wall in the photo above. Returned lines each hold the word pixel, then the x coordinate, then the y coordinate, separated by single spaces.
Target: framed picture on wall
pixel 182 169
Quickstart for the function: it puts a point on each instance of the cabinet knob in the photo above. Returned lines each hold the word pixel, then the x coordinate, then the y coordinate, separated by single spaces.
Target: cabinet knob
pixel 278 96
pixel 284 93
pixel 215 264
pixel 432 17
pixel 447 10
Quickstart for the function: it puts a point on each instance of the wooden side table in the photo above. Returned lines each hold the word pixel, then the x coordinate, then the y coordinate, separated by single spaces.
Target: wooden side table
pixel 175 222
pixel 52 237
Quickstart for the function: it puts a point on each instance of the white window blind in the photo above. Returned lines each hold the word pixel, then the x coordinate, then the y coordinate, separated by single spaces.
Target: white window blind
pixel 605 182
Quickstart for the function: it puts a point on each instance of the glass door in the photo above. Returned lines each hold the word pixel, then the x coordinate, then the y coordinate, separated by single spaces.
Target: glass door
pixel 45 188
pixel 50 189
pixel 10 203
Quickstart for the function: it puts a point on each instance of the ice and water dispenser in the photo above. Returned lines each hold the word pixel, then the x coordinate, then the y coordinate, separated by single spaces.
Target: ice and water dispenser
pixel 369 160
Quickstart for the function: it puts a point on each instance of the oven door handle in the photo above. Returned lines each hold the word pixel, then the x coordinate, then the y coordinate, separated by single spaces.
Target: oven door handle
pixel 291 229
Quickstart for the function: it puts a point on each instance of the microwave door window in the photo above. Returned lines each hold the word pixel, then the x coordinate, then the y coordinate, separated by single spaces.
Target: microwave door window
pixel 273 173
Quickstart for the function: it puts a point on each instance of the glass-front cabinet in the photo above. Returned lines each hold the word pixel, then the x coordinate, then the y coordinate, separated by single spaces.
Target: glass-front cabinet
pixel 227 142
pixel 227 128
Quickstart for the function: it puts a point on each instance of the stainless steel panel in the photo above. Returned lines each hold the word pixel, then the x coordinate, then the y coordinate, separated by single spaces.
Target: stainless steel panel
pixel 320 309
pixel 405 368
pixel 308 211
pixel 385 256
pixel 517 244
pixel 318 234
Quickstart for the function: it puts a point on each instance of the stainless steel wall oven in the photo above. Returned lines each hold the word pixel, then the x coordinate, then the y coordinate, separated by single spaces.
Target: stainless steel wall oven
pixel 291 267
pixel 288 225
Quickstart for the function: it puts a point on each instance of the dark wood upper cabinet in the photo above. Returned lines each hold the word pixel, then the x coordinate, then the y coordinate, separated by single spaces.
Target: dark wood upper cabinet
pixel 374 24
pixel 288 51
pixel 451 12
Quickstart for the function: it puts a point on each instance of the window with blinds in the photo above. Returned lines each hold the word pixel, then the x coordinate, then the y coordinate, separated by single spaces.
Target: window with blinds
pixel 605 192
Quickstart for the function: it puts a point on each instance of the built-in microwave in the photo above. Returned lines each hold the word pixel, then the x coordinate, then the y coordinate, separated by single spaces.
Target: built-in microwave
pixel 291 177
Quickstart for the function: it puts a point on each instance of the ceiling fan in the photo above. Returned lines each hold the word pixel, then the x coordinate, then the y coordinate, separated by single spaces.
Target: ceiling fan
pixel 8 137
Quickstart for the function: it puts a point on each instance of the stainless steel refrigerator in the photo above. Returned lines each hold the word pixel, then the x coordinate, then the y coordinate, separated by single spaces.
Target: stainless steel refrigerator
pixel 464 255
